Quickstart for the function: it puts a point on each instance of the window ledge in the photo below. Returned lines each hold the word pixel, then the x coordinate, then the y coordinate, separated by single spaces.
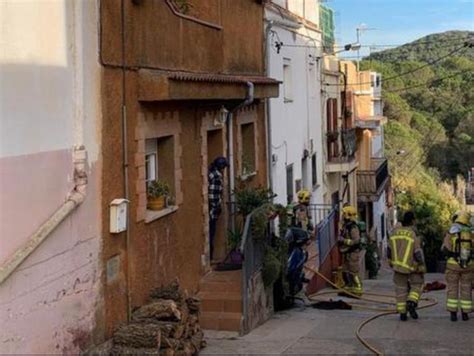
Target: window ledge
pixel 152 215
pixel 247 176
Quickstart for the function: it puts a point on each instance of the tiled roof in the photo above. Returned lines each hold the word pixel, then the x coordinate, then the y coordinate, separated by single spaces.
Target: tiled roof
pixel 219 78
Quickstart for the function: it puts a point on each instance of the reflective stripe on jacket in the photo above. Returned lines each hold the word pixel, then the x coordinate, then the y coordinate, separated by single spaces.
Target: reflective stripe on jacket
pixel 402 245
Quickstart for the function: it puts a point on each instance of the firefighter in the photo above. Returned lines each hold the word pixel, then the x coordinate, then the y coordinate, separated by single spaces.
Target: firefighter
pixel 408 263
pixel 300 214
pixel 349 245
pixel 458 247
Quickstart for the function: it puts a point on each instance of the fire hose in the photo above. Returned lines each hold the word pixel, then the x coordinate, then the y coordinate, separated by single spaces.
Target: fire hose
pixel 429 302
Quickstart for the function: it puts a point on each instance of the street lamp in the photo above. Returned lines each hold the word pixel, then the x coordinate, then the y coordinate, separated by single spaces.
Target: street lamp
pixel 349 47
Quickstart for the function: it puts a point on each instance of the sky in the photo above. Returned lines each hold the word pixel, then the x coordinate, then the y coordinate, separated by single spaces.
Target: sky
pixel 398 21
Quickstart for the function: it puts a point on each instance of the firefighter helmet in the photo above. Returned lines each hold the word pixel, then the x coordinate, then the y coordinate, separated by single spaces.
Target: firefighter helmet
pixel 463 217
pixel 304 196
pixel 349 213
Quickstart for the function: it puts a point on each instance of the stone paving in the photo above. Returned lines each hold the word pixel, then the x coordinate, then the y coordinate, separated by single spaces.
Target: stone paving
pixel 308 331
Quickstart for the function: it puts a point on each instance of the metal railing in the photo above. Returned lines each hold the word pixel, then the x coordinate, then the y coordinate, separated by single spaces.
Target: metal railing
pixel 348 142
pixel 341 145
pixel 319 212
pixel 369 182
pixel 253 251
pixel 326 235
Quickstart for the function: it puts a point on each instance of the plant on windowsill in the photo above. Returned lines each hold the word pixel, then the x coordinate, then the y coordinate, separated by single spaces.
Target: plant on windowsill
pixel 157 195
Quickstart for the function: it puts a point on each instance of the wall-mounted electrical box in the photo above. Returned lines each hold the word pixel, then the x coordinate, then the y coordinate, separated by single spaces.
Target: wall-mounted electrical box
pixel 118 215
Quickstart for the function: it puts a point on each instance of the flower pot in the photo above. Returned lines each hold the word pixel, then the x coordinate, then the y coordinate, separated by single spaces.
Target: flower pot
pixel 157 203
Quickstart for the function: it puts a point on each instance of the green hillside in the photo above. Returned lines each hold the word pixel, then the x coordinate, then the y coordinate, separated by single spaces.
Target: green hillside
pixel 429 101
pixel 426 48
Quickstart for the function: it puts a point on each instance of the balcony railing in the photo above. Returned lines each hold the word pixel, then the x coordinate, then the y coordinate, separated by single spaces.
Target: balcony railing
pixel 341 145
pixel 372 182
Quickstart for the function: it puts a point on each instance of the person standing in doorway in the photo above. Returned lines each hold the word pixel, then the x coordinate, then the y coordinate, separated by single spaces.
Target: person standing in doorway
pixel 215 190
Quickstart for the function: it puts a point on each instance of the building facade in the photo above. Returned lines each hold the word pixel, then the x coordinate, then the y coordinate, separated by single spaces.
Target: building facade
pixel 175 97
pixel 294 51
pixel 374 193
pixel 117 101
pixel 50 163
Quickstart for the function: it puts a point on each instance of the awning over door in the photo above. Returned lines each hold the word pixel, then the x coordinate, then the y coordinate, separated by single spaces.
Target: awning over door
pixel 157 85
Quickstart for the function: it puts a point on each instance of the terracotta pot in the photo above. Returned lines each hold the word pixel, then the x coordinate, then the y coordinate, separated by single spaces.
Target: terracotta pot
pixel 156 203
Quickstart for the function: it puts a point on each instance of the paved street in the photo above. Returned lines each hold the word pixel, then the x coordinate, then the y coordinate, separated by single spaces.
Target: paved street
pixel 308 331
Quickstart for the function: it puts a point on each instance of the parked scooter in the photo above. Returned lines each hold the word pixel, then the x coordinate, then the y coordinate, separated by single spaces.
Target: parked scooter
pixel 297 256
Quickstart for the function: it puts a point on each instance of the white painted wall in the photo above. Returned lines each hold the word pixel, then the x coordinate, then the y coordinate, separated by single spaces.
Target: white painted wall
pixel 296 124
pixel 49 103
pixel 377 143
pixel 379 208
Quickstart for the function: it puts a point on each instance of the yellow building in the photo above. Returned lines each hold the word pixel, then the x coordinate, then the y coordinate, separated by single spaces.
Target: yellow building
pixel 340 136
pixel 373 178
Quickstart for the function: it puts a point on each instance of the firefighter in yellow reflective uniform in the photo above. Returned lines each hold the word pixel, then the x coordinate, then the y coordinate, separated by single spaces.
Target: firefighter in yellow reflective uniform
pixel 349 245
pixel 458 247
pixel 408 264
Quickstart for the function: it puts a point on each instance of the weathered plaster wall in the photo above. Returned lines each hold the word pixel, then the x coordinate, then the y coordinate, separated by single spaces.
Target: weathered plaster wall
pixel 173 246
pixel 49 85
pixel 189 45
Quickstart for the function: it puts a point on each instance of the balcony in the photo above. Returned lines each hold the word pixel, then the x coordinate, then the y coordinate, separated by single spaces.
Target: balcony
pixel 371 183
pixel 341 147
pixel 370 122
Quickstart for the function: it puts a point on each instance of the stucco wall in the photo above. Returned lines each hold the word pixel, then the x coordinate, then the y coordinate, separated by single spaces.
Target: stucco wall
pixel 189 45
pixel 296 125
pixel 49 85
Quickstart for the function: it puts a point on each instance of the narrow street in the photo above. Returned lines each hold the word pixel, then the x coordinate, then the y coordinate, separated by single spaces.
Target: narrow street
pixel 308 331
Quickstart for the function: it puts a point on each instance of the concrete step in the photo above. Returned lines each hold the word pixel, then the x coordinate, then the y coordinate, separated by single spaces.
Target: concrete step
pixel 220 321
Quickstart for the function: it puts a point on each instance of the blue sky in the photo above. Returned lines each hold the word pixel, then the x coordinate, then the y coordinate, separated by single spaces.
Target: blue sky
pixel 399 21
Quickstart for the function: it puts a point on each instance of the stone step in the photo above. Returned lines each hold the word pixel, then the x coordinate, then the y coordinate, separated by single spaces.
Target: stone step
pixel 229 302
pixel 220 321
pixel 217 286
pixel 219 276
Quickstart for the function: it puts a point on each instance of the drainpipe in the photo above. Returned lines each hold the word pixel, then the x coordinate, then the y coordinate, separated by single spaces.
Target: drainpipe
pixel 125 157
pixel 268 110
pixel 75 198
pixel 230 149
pixel 79 159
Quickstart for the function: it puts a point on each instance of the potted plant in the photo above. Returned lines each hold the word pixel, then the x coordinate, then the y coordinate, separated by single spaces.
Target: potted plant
pixel 157 193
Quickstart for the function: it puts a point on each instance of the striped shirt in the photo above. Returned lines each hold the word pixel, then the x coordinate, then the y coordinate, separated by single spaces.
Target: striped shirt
pixel 215 190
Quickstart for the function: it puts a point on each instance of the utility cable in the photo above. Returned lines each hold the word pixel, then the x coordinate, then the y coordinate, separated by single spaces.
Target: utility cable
pixel 451 43
pixel 412 70
pixel 428 83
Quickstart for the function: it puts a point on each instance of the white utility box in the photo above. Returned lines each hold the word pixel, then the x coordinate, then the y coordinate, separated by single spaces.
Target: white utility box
pixel 118 215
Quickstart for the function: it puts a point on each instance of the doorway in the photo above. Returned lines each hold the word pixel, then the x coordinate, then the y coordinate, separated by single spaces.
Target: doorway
pixel 215 148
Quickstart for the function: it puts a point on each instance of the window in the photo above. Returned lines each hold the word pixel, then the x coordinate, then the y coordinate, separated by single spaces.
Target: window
pixel 159 160
pixel 151 157
pixel 248 148
pixel 314 170
pixel 287 80
pixel 304 173
pixel 289 183
pixel 372 80
pixel 332 128
pixel 377 82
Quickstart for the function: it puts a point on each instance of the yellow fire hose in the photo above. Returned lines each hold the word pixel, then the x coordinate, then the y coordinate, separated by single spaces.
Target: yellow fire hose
pixel 382 311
